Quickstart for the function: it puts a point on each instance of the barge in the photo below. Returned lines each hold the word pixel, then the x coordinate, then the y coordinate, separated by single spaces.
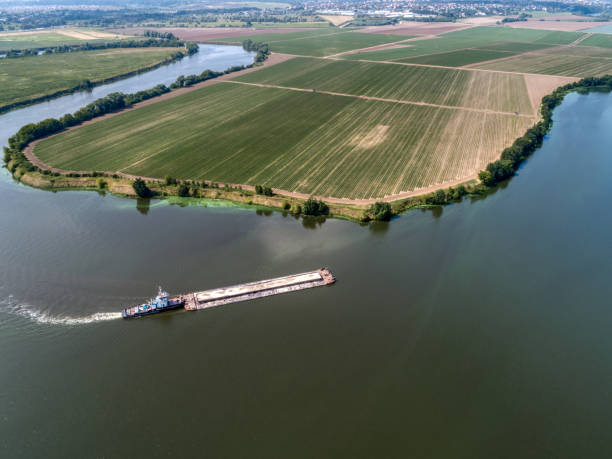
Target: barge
pixel 232 294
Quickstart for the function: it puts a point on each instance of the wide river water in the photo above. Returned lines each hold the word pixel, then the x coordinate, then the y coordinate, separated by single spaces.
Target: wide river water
pixel 481 330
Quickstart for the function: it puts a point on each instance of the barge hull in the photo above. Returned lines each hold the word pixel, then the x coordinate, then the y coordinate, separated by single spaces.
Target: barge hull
pixel 243 292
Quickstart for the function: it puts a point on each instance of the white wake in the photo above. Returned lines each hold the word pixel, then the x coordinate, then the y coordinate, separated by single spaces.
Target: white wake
pixel 43 317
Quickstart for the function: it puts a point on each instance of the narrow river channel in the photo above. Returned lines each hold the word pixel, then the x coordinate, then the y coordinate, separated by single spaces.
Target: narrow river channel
pixel 479 330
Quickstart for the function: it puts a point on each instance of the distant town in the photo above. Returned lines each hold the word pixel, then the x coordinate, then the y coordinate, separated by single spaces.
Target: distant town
pixel 108 13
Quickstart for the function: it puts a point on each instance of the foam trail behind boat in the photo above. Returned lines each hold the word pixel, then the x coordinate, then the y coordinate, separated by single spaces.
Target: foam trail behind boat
pixel 42 317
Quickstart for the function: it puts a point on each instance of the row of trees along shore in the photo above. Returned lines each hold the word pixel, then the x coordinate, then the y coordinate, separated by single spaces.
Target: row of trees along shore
pixel 262 49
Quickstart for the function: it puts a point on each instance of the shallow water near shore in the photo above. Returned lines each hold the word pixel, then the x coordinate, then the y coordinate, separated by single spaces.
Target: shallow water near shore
pixel 479 330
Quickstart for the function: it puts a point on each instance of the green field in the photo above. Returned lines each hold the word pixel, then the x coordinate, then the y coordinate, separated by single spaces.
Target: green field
pixel 457 58
pixel 495 38
pixel 324 42
pixel 306 142
pixel 462 88
pixel 31 77
pixel 281 37
pixel 602 40
pixel 563 62
pixel 42 39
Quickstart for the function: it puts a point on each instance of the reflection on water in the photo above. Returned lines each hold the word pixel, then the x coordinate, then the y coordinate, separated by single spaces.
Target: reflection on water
pixel 143 205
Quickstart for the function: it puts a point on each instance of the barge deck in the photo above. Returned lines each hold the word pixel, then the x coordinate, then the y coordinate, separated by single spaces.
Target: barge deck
pixel 243 292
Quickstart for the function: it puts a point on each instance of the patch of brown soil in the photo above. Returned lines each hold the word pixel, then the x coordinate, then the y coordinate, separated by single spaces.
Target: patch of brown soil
pixel 375 137
pixel 481 21
pixel 416 28
pixel 337 20
pixel 540 85
pixel 84 35
pixel 211 33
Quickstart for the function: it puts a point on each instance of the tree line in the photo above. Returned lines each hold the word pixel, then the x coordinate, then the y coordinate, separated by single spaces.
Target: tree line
pixel 523 147
pixel 262 49
pixel 190 47
pixel 157 34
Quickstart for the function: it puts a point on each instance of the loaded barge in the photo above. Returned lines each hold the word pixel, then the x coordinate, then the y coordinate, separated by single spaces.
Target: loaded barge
pixel 241 292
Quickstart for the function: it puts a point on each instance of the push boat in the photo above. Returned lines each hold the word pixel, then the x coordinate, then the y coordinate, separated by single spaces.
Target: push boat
pixel 156 305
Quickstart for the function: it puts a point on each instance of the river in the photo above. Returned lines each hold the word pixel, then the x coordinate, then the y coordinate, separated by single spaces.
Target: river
pixel 474 331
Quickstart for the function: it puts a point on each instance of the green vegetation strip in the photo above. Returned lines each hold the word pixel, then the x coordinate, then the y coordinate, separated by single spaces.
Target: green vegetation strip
pixel 38 40
pixel 38 77
pixel 493 38
pixel 563 62
pixel 457 58
pixel 602 40
pixel 321 42
pixel 302 142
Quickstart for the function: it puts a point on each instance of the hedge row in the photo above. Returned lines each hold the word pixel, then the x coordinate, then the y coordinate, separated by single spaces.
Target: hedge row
pixel 190 47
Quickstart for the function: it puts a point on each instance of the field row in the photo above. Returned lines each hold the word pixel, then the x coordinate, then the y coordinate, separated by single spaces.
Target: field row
pixel 564 62
pixel 304 142
pixel 322 42
pixel 487 38
pixel 440 86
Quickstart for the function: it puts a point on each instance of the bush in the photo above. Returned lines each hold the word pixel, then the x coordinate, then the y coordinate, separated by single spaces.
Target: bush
pixel 169 180
pixel 100 183
pixel 141 188
pixel 315 207
pixel 436 199
pixel 380 211
pixel 286 205
pixel 183 191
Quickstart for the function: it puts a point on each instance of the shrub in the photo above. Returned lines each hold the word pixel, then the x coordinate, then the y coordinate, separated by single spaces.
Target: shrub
pixel 286 205
pixel 380 211
pixel 436 199
pixel 141 188
pixel 315 207
pixel 183 191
